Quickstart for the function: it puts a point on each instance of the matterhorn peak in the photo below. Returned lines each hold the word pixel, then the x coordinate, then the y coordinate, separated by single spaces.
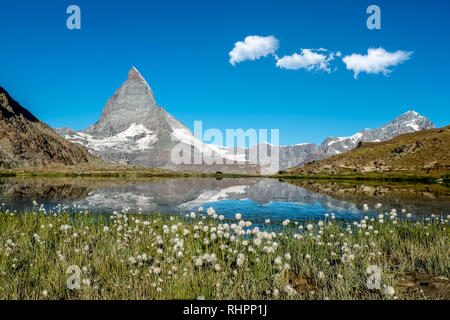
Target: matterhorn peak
pixel 134 74
pixel 136 79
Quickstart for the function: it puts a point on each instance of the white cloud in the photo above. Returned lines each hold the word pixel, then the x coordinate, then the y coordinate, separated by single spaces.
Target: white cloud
pixel 253 47
pixel 376 61
pixel 308 59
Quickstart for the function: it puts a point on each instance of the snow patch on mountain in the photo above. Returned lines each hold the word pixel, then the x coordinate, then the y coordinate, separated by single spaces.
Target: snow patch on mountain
pixel 135 138
pixel 354 138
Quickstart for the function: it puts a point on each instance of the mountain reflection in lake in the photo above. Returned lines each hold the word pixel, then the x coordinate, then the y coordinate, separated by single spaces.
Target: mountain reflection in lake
pixel 255 198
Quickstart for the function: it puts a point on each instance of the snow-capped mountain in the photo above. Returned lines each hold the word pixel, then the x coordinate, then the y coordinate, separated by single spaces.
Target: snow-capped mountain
pixel 132 129
pixel 410 121
pixel 300 154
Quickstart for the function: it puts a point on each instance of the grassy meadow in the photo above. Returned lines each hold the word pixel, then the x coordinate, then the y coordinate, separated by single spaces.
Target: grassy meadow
pixel 70 253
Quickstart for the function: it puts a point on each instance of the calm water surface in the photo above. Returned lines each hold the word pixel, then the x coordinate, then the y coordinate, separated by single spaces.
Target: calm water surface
pixel 256 198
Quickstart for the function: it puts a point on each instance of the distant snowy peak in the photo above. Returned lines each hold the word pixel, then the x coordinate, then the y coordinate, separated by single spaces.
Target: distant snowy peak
pixel 410 121
pixel 300 154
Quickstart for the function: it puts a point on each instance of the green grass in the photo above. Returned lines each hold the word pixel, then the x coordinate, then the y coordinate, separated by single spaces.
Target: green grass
pixel 139 257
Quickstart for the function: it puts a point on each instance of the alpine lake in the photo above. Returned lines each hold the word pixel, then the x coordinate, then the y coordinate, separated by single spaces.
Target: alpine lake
pixel 257 199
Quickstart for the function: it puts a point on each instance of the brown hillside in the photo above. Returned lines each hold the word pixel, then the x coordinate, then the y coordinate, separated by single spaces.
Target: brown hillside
pixel 27 142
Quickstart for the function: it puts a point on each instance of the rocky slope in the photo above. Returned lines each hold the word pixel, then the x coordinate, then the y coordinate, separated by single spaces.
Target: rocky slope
pixel 419 152
pixel 27 142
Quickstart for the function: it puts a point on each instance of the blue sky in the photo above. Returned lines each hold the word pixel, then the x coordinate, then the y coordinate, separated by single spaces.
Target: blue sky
pixel 182 48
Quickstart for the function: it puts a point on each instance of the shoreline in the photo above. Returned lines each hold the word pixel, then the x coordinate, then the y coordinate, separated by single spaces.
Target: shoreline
pixel 392 177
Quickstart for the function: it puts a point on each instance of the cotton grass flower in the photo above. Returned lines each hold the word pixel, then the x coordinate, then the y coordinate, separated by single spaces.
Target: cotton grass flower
pixel 388 291
pixel 276 292
pixel 87 282
pixel 289 290
pixel 240 259
pixel 278 260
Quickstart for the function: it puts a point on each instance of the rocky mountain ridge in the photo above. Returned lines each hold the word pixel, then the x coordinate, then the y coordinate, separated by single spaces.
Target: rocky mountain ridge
pixel 27 142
